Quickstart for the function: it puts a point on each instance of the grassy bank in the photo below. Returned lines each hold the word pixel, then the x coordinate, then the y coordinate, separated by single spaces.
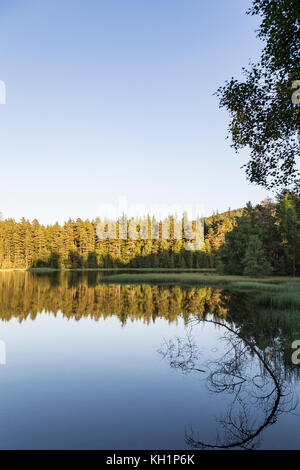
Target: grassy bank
pixel 204 278
pixel 146 270
pixel 168 270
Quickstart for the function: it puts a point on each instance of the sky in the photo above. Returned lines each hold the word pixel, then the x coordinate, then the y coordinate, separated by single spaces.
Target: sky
pixel 115 98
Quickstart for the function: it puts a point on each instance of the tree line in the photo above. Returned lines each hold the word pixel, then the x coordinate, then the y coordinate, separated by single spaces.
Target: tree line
pixel 76 245
pixel 255 241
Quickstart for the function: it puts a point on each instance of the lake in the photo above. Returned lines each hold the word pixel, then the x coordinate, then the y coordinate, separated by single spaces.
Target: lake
pixel 92 365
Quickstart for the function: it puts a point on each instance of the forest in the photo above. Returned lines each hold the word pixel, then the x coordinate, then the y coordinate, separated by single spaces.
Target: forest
pixel 254 241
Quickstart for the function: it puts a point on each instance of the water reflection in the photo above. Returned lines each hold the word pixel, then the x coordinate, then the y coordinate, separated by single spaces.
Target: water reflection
pixel 246 369
pixel 257 386
pixel 79 295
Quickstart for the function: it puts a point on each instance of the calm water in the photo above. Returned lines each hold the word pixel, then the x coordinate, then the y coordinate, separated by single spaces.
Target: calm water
pixel 97 366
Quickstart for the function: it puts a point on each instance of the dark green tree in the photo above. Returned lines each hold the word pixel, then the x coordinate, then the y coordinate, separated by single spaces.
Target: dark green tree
pixel 255 261
pixel 290 231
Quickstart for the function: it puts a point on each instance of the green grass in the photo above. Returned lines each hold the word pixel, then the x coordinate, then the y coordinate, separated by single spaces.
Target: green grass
pixel 288 300
pixel 286 297
pixel 282 296
pixel 199 278
pixel 165 278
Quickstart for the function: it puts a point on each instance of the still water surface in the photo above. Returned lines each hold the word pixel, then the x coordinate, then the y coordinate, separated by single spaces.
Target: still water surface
pixel 91 365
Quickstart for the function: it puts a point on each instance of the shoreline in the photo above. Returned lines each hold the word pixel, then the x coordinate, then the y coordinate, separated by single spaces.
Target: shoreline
pixel 166 276
pixel 170 270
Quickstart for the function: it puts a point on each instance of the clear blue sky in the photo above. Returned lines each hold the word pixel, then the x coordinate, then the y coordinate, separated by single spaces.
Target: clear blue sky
pixel 110 98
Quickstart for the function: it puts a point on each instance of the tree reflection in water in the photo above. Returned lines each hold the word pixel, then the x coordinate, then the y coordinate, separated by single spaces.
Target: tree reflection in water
pixel 256 385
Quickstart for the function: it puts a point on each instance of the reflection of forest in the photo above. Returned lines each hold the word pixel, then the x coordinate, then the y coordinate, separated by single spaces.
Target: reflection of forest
pixel 82 294
pixel 76 295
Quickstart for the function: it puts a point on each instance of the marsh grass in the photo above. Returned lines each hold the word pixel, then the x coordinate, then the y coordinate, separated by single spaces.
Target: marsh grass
pixel 187 278
pixel 200 278
pixel 282 300
pixel 283 296
pixel 285 322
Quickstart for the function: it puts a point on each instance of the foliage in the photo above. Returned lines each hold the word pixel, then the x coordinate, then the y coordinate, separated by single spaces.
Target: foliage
pixel 263 116
pixel 265 239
